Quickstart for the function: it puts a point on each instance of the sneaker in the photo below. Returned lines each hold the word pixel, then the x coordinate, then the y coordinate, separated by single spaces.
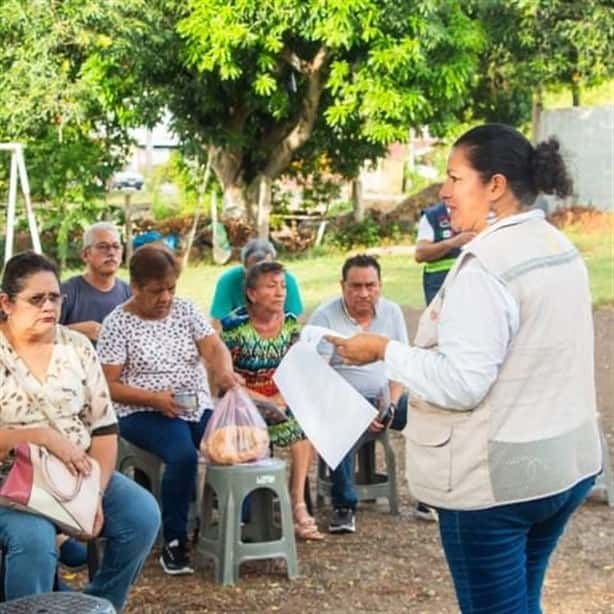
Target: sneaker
pixel 343 521
pixel 424 512
pixel 175 559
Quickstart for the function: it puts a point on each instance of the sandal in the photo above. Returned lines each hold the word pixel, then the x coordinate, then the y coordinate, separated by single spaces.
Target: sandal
pixel 308 532
pixel 301 515
pixel 306 527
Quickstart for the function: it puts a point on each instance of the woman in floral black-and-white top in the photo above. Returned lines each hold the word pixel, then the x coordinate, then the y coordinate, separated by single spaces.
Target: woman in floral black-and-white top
pixel 48 370
pixel 154 349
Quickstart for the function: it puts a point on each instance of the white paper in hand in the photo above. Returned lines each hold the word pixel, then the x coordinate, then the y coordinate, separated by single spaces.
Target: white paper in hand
pixel 330 411
pixel 313 334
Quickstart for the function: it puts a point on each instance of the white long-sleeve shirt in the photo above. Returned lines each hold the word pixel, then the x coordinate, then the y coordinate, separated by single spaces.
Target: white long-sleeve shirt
pixel 477 323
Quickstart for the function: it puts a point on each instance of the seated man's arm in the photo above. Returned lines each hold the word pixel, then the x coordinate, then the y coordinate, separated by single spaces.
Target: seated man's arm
pixel 90 328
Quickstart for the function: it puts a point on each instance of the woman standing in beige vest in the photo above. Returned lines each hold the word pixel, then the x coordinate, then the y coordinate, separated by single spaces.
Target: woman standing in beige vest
pixel 502 434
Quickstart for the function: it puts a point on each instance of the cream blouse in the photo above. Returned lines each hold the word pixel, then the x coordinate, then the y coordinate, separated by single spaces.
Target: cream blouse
pixel 74 392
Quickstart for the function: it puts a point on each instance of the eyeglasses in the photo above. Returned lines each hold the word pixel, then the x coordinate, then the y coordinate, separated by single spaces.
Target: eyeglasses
pixel 39 300
pixel 108 247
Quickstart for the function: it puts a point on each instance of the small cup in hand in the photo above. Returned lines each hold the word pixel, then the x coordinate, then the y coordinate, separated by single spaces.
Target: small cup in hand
pixel 188 399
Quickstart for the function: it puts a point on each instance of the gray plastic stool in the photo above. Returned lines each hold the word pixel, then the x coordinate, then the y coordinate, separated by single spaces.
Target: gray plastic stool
pixel 605 480
pixel 58 603
pixel 368 483
pixel 226 541
pixel 147 470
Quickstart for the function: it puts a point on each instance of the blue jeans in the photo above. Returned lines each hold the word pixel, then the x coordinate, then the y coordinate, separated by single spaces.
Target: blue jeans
pixel 343 493
pixel 498 556
pixel 431 282
pixel 175 442
pixel 132 521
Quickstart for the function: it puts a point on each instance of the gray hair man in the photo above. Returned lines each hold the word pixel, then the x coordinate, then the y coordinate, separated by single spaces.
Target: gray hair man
pixel 90 297
pixel 229 291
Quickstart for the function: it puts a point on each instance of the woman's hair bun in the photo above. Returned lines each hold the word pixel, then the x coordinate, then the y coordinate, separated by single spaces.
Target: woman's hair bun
pixel 549 171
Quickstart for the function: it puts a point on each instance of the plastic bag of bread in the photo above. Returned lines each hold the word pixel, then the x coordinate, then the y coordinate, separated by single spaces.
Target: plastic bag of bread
pixel 236 432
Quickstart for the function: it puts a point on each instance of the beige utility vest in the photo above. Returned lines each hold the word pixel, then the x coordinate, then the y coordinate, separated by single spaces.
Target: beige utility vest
pixel 535 433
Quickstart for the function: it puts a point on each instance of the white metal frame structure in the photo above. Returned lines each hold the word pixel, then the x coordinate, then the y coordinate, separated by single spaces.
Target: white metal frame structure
pixel 18 174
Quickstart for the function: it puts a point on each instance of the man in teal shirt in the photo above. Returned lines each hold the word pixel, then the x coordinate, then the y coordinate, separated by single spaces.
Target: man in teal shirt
pixel 230 287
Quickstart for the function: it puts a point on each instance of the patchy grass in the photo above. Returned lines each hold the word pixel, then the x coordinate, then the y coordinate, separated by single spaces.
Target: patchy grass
pixel 319 279
pixel 319 275
pixel 598 251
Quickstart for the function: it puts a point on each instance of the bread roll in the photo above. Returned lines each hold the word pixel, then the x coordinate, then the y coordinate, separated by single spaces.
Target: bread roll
pixel 230 445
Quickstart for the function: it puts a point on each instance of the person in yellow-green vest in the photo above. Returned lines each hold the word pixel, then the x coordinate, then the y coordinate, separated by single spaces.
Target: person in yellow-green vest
pixel 437 245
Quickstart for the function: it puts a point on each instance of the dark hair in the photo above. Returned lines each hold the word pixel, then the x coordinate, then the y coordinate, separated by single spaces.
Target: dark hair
pixel 152 262
pixel 255 272
pixel 499 149
pixel 19 268
pixel 360 260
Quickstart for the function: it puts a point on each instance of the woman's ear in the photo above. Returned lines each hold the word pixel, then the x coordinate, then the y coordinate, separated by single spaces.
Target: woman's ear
pixel 498 186
pixel 249 294
pixel 4 302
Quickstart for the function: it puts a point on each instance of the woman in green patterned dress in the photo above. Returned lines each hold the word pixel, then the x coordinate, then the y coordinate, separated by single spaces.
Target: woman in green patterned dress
pixel 258 337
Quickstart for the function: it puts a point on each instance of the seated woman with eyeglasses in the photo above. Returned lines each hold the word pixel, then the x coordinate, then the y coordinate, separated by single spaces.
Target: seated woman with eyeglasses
pixel 43 364
pixel 154 349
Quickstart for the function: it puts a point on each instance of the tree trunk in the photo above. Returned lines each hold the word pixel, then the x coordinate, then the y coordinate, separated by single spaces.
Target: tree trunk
pixel 358 205
pixel 234 204
pixel 575 93
pixel 264 205
pixel 537 106
pixel 227 163
pixel 253 201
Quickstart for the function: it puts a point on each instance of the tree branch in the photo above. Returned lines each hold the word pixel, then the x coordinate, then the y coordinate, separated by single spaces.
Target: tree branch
pixel 305 67
pixel 281 153
pixel 292 58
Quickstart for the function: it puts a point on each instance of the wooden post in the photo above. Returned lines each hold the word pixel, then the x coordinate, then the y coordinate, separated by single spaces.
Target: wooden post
pixel 358 205
pixel 25 188
pixel 18 174
pixel 213 224
pixel 10 213
pixel 128 227
pixel 264 206
pixel 197 209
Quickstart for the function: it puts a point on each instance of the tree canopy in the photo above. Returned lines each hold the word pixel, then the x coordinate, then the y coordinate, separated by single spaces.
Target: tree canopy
pixel 532 45
pixel 257 85
pixel 52 101
pixel 252 81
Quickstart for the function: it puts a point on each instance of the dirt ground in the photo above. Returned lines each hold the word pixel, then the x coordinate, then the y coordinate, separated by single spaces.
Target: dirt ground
pixel 395 563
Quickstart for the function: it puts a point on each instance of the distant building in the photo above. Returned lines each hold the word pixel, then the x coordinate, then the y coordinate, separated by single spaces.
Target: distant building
pixel 153 146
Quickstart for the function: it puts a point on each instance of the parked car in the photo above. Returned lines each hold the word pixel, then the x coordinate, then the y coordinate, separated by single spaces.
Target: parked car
pixel 127 179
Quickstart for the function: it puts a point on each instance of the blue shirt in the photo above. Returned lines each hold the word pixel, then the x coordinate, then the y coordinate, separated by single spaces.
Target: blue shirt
pixel 84 303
